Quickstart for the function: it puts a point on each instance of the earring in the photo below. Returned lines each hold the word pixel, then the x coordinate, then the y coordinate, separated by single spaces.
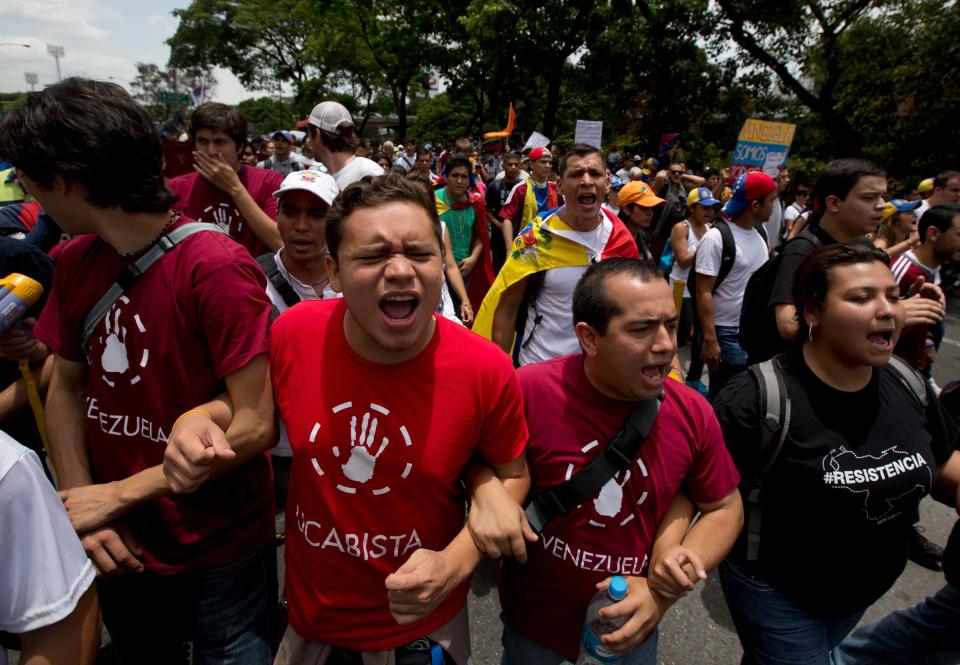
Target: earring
pixel 810 333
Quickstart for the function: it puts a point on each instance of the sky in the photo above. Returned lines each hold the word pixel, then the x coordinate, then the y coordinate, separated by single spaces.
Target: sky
pixel 102 39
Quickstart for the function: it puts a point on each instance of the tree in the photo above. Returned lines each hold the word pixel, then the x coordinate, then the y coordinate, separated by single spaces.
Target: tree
pixel 798 41
pixel 152 82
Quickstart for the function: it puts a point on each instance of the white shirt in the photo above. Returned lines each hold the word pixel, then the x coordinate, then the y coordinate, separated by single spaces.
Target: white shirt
pixel 794 212
pixel 751 254
pixel 553 336
pixel 43 566
pixel 678 273
pixel 304 292
pixel 356 168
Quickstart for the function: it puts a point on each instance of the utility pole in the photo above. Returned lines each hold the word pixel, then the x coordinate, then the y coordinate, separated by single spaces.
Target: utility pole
pixel 57 53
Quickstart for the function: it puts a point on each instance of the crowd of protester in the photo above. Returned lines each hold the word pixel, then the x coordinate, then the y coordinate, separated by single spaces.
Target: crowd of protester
pixel 406 359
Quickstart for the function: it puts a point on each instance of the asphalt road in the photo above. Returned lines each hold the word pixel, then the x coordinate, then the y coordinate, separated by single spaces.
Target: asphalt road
pixel 698 629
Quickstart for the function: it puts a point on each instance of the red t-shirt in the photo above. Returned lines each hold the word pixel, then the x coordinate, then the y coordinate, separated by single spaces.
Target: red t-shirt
pixel 197 315
pixel 378 452
pixel 200 200
pixel 570 422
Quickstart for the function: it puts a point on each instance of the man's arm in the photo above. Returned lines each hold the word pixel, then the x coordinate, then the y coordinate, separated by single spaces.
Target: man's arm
pixel 73 640
pixel 702 548
pixel 711 538
pixel 694 180
pixel 221 175
pixel 64 416
pixel 418 587
pixel 678 242
pixel 202 449
pixel 710 352
pixel 496 519
pixel 505 318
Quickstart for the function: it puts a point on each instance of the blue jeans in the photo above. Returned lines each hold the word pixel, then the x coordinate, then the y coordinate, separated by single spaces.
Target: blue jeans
pixel 774 630
pixel 220 616
pixel 733 359
pixel 518 650
pixel 926 633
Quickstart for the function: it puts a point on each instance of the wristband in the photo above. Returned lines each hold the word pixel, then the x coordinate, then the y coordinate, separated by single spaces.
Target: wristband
pixel 177 421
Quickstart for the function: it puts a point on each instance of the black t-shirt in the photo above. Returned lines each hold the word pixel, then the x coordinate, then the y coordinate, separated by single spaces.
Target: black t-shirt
pixel 794 253
pixel 497 193
pixel 842 495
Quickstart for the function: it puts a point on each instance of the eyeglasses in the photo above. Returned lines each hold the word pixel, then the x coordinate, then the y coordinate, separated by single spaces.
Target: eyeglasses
pixel 676 172
pixel 803 192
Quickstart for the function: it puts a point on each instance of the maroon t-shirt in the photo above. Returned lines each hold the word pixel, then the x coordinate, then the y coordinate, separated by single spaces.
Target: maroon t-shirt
pixel 570 422
pixel 199 200
pixel 197 315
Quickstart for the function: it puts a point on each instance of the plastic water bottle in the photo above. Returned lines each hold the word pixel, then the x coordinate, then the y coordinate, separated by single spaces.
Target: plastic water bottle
pixel 592 649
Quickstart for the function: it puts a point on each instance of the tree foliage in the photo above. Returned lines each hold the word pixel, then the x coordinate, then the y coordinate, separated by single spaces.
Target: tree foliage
pixel 875 77
pixel 152 82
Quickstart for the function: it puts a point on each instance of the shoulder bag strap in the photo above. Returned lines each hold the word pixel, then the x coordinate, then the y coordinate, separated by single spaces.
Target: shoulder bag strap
pixel 617 456
pixel 132 273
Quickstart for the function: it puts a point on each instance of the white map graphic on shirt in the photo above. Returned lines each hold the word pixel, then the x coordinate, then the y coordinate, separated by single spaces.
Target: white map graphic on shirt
pixel 844 469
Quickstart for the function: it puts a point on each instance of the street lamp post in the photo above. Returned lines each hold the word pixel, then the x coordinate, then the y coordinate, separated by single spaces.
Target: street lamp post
pixel 57 53
pixel 14 44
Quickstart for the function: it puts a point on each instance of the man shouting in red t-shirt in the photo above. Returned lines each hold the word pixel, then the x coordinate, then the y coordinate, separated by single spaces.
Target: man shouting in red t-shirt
pixel 385 405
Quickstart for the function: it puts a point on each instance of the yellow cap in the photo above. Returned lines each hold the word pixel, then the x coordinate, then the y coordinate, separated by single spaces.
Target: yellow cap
pixel 925 186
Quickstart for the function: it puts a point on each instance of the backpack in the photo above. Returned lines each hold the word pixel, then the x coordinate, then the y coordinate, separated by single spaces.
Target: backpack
pixel 667 259
pixel 759 335
pixel 775 418
pixel 268 264
pixel 728 254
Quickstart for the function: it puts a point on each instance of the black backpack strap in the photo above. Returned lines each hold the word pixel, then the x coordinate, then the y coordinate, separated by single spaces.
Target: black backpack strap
pixel 775 412
pixel 268 264
pixel 911 380
pixel 728 252
pixel 530 293
pixel 617 456
pixel 132 273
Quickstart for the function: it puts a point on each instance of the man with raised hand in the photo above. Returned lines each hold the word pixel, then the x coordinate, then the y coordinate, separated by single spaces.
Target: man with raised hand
pixel 235 197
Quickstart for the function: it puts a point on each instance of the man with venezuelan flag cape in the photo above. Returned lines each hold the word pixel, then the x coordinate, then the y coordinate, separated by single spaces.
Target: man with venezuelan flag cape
pixel 532 196
pixel 533 292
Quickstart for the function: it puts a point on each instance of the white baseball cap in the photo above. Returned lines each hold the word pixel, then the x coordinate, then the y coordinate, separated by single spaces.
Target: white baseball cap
pixel 316 182
pixel 329 115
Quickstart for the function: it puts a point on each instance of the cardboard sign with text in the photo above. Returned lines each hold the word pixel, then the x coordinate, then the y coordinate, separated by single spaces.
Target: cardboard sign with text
pixel 763 146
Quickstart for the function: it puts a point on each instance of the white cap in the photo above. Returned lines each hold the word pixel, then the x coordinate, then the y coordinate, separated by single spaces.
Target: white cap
pixel 329 115
pixel 317 183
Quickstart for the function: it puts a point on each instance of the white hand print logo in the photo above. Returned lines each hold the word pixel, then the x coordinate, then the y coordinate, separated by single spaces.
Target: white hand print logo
pixel 359 468
pixel 609 500
pixel 361 458
pixel 115 358
pixel 224 215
